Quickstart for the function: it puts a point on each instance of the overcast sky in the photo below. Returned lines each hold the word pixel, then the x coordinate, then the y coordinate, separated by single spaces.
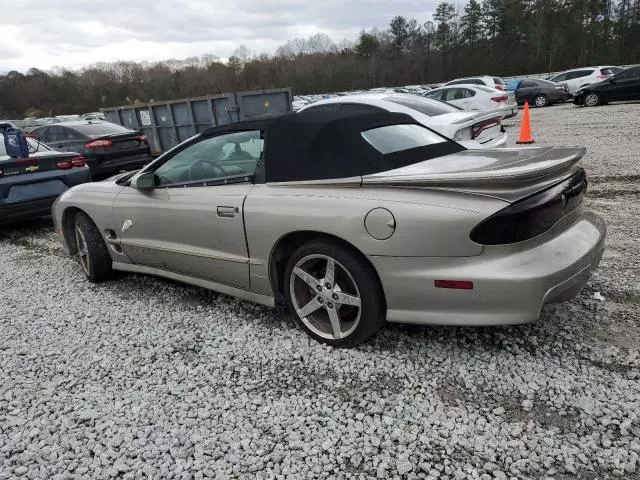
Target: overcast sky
pixel 76 33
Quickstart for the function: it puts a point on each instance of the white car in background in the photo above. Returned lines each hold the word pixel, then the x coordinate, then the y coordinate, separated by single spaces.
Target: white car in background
pixel 580 77
pixel 486 80
pixel 477 97
pixel 417 89
pixel 471 129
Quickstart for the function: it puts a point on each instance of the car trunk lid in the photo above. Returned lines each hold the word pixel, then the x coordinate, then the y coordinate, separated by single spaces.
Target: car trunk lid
pixel 509 174
pixel 482 127
pixel 118 144
pixel 36 162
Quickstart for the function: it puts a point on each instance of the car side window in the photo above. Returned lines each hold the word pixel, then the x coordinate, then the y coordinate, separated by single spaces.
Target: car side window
pixel 437 95
pixel 580 74
pixel 632 73
pixel 559 78
pixel 527 84
pixel 453 94
pixel 56 134
pixel 468 93
pixel 70 134
pixel 223 156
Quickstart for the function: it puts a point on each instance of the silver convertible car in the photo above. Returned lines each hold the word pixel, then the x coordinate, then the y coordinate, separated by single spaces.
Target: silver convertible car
pixel 350 220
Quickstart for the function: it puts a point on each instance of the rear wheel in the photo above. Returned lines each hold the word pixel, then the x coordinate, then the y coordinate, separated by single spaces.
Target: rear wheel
pixel 541 101
pixel 334 294
pixel 91 250
pixel 592 99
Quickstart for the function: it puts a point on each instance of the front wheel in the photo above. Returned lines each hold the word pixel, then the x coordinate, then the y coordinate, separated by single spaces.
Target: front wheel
pixel 91 250
pixel 592 100
pixel 541 101
pixel 334 294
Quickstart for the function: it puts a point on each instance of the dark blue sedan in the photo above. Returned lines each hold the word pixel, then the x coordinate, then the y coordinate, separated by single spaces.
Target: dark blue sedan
pixel 29 186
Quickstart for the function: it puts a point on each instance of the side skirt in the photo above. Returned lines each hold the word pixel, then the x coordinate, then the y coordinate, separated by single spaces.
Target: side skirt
pixel 198 282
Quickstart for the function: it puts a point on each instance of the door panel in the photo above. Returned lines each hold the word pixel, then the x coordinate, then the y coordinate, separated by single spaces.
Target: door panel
pixel 205 234
pixel 196 231
pixel 192 221
pixel 137 217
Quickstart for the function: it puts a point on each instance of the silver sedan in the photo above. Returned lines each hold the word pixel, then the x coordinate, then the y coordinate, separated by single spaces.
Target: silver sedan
pixel 351 221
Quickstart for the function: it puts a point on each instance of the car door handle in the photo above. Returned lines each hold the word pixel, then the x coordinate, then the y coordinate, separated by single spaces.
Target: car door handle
pixel 227 212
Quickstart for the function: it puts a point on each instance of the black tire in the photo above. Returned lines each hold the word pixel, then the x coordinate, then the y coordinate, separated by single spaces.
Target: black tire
pixel 592 99
pixel 98 266
pixel 372 314
pixel 540 101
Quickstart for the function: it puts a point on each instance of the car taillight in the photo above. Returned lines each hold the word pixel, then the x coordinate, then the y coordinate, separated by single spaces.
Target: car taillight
pixel 98 144
pixel 532 216
pixel 478 128
pixel 64 164
pixel 502 98
pixel 142 138
pixel 463 134
pixel 78 161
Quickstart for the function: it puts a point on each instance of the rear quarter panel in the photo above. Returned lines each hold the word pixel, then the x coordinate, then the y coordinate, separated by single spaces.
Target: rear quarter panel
pixel 428 223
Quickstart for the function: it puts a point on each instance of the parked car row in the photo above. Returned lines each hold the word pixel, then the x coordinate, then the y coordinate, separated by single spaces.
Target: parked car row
pixel 107 147
pixel 58 156
pixel 29 185
pixel 589 86
pixel 473 129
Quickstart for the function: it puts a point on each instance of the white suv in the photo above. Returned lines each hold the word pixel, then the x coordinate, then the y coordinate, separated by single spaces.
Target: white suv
pixel 580 77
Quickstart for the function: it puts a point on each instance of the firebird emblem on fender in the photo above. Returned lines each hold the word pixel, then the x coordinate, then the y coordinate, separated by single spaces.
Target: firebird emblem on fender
pixel 126 225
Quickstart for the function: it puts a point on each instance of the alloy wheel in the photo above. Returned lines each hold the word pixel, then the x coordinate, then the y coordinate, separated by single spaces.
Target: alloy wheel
pixel 541 101
pixel 325 296
pixel 591 100
pixel 83 252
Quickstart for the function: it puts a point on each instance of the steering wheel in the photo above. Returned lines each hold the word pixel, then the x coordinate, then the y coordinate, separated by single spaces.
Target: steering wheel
pixel 202 169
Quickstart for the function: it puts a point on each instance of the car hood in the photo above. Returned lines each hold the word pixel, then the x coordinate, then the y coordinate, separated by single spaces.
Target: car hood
pixel 507 173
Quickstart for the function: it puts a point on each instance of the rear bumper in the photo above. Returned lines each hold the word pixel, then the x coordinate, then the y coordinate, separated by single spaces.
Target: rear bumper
pixel 25 210
pixel 510 283
pixel 115 165
pixel 497 142
pixel 13 207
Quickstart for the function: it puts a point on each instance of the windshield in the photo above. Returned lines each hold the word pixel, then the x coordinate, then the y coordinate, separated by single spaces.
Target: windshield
pixel 396 138
pixel 428 106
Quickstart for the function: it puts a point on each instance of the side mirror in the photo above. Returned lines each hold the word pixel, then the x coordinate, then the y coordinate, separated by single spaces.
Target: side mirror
pixel 143 181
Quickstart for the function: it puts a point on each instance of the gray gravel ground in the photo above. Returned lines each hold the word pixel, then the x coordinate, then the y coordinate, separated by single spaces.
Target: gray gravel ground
pixel 144 378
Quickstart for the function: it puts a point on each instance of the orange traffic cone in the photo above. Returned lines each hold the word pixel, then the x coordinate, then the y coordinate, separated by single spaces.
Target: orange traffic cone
pixel 525 127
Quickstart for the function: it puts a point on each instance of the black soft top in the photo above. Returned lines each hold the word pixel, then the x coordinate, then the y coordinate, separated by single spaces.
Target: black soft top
pixel 320 145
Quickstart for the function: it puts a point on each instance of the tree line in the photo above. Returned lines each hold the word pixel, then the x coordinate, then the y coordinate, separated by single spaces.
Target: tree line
pixel 499 37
